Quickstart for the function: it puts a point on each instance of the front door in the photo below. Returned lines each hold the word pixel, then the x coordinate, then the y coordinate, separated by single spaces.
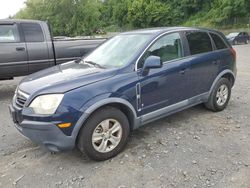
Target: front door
pixel 13 52
pixel 241 37
pixel 164 86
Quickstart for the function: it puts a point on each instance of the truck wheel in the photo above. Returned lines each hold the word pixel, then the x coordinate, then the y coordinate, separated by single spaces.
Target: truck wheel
pixel 105 134
pixel 220 95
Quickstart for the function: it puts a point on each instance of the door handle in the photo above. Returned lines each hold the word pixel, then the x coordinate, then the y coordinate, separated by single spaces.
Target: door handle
pixel 20 49
pixel 216 62
pixel 182 71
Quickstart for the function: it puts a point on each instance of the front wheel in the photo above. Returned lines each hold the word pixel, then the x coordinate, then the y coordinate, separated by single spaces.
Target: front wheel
pixel 105 134
pixel 247 41
pixel 220 95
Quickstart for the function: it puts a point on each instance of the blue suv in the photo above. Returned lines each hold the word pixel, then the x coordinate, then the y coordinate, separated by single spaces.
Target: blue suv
pixel 130 80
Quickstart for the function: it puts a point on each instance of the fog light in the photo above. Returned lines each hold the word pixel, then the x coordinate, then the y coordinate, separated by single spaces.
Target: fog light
pixel 64 125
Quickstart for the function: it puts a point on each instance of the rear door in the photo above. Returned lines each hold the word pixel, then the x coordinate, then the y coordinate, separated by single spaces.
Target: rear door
pixel 38 54
pixel 204 64
pixel 13 52
pixel 222 52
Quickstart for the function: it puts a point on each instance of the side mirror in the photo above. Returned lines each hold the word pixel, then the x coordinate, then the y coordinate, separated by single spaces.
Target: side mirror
pixel 152 62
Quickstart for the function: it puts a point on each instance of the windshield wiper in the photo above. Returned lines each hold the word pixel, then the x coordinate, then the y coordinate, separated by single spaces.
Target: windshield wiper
pixel 78 60
pixel 95 64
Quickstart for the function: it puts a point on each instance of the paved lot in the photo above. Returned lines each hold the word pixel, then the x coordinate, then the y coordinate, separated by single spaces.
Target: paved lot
pixel 193 148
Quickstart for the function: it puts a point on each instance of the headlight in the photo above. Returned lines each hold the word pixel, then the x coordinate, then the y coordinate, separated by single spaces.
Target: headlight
pixel 46 104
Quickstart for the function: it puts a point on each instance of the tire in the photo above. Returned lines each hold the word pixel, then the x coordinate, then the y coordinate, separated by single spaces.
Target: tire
pixel 247 41
pixel 215 102
pixel 101 148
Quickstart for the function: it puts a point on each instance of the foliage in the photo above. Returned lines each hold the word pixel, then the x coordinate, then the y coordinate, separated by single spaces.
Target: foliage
pixel 87 17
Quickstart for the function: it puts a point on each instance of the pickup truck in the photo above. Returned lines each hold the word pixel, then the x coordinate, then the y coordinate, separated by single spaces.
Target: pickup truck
pixel 27 46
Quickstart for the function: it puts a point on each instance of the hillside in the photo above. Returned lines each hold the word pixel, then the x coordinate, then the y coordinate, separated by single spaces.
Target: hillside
pixel 87 17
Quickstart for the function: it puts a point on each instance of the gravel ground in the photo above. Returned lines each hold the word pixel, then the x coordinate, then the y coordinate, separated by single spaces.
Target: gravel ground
pixel 193 148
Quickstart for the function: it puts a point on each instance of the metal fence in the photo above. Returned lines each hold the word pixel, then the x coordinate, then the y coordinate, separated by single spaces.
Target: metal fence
pixel 235 22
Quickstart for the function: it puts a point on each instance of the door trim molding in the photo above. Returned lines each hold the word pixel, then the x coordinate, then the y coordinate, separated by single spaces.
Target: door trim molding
pixel 157 114
pixel 138 97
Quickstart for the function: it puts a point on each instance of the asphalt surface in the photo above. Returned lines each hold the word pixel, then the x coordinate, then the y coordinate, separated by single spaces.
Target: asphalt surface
pixel 193 148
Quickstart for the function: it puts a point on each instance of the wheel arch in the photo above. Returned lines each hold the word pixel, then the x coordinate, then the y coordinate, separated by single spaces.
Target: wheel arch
pixel 224 74
pixel 119 103
pixel 230 77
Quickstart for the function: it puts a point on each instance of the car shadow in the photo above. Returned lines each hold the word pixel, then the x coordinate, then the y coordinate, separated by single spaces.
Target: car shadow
pixel 6 92
pixel 173 121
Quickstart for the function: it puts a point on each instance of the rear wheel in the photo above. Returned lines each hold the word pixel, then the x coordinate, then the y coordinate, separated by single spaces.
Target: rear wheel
pixel 220 95
pixel 105 134
pixel 247 41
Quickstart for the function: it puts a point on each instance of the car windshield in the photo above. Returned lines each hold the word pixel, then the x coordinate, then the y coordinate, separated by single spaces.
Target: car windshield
pixel 117 51
pixel 232 35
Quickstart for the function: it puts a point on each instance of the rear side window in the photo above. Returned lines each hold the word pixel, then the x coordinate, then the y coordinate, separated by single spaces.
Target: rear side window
pixel 219 43
pixel 9 33
pixel 32 32
pixel 199 42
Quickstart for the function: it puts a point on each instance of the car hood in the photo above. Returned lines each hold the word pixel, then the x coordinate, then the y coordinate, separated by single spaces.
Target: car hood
pixel 63 78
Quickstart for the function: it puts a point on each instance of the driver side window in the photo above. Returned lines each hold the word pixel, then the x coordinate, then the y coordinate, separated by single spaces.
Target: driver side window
pixel 168 48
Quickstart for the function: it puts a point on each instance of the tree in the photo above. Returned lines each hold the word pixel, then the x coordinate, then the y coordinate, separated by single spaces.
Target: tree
pixel 85 17
pixel 148 13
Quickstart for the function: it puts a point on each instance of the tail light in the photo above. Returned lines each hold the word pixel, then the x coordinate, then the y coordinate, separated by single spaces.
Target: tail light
pixel 233 52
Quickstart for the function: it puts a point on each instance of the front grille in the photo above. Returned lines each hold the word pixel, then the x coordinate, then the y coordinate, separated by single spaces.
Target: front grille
pixel 21 98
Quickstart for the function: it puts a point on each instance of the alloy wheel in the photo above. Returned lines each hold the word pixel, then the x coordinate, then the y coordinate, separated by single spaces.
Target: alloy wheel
pixel 107 135
pixel 222 95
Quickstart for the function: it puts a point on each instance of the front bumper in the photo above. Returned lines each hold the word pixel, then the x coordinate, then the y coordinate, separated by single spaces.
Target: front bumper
pixel 43 133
